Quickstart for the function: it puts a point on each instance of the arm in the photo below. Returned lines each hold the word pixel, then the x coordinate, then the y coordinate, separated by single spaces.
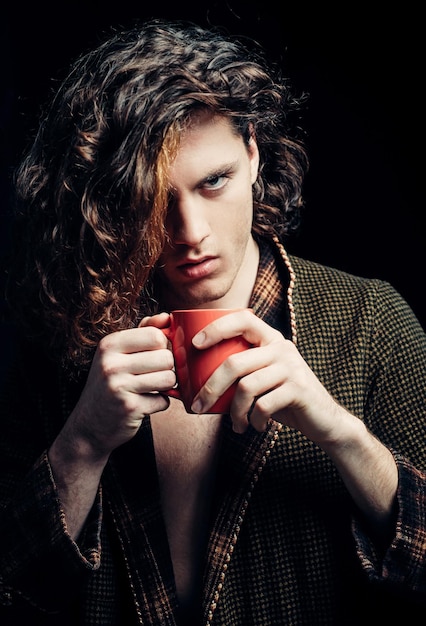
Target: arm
pixel 46 501
pixel 279 382
pixel 369 472
pixel 128 370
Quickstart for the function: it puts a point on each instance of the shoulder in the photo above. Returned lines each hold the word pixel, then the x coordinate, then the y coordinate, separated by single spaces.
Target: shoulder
pixel 336 300
pixel 312 276
pixel 321 283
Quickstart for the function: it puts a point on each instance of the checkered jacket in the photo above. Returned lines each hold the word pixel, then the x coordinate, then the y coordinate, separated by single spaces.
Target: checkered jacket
pixel 286 546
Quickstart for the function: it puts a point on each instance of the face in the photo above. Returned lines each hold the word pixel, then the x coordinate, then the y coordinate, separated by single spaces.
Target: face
pixel 211 258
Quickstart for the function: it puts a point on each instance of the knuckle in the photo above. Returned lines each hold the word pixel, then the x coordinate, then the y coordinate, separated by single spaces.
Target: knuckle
pixel 105 344
pixel 232 364
pixel 155 336
pixel 110 369
pixel 208 389
pixel 262 407
pixel 130 403
pixel 245 385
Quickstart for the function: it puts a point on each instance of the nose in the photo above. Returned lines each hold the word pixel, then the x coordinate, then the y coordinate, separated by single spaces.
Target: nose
pixel 187 222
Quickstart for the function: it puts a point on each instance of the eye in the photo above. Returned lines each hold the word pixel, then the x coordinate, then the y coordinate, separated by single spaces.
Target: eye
pixel 216 182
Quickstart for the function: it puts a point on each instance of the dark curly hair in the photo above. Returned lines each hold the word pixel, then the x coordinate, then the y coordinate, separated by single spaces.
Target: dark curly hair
pixel 91 194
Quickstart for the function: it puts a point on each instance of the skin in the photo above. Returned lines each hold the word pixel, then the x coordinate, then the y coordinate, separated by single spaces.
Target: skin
pixel 212 262
pixel 212 259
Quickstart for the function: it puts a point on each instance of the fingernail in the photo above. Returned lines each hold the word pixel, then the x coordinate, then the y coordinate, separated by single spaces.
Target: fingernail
pixel 199 338
pixel 197 406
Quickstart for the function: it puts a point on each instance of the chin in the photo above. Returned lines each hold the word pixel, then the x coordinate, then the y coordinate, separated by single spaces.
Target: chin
pixel 195 296
pixel 198 301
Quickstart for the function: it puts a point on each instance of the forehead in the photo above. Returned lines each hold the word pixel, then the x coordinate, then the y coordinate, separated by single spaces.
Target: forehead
pixel 205 140
pixel 205 125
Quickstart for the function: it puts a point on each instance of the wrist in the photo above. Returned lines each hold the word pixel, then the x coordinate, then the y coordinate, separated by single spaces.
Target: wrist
pixel 349 434
pixel 73 448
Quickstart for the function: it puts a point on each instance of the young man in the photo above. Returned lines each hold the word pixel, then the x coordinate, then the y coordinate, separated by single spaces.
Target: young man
pixel 164 176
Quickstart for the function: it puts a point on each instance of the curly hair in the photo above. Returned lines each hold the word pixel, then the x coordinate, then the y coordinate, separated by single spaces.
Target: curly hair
pixel 91 193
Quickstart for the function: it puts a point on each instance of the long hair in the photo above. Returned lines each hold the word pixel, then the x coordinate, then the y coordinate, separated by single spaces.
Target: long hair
pixel 91 193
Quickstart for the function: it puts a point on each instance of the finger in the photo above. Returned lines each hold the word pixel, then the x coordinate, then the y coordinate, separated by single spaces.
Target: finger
pixel 251 390
pixel 153 403
pixel 133 340
pixel 153 381
pixel 241 323
pixel 222 378
pixel 136 406
pixel 235 368
pixel 139 362
pixel 160 320
pixel 271 405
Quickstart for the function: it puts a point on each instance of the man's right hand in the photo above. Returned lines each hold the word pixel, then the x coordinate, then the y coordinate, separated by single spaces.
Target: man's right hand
pixel 129 369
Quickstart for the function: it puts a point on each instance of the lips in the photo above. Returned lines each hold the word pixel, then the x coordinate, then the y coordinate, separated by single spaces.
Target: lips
pixel 198 268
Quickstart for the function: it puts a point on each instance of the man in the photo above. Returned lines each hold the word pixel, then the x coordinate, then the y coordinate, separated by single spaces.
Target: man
pixel 164 176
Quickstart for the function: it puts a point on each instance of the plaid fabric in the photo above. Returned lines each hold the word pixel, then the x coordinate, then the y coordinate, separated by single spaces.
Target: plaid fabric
pixel 285 545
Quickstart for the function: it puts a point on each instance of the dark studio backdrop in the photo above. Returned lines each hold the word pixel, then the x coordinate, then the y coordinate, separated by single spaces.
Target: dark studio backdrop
pixel 363 69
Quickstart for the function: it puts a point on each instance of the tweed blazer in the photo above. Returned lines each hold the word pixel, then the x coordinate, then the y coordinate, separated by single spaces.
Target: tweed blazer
pixel 286 544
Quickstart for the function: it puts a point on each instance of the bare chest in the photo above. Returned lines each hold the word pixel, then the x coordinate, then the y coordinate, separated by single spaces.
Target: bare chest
pixel 185 449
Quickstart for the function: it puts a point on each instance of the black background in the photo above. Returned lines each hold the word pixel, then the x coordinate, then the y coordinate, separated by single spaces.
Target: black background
pixel 361 65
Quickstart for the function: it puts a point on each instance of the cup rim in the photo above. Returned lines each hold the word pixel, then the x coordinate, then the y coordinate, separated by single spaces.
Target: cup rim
pixel 208 310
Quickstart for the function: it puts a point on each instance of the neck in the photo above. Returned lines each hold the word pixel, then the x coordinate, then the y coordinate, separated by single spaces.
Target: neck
pixel 240 293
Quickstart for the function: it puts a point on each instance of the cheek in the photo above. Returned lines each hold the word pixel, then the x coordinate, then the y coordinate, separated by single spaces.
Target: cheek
pixel 233 222
pixel 243 210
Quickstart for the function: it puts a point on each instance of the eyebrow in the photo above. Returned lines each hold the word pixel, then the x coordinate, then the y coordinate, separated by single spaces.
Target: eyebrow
pixel 218 170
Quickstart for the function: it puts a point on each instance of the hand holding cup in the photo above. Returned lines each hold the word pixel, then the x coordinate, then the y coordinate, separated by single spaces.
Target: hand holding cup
pixel 194 366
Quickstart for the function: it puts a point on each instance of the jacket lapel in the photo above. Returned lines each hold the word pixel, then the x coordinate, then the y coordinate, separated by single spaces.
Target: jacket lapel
pixel 132 492
pixel 241 462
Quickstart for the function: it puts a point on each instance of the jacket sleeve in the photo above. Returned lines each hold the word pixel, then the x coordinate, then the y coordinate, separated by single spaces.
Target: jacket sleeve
pixel 396 414
pixel 403 566
pixel 39 561
pixel 40 565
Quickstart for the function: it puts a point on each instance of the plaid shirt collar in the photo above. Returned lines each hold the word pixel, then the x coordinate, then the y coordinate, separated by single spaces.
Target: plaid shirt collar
pixel 269 297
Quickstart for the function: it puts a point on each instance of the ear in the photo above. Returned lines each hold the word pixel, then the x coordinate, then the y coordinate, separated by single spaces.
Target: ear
pixel 253 153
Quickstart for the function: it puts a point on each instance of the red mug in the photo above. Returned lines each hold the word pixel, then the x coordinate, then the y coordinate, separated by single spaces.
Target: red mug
pixel 193 366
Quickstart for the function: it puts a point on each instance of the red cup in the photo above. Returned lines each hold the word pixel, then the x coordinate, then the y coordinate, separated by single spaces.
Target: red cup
pixel 193 366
